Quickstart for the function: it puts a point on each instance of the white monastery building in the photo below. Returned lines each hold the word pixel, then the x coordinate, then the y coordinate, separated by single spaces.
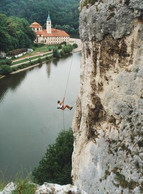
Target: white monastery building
pixel 49 35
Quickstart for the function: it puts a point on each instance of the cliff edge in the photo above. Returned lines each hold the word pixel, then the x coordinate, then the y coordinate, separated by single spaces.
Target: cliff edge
pixel 108 122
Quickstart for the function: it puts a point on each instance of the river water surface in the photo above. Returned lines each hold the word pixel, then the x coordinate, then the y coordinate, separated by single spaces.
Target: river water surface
pixel 29 118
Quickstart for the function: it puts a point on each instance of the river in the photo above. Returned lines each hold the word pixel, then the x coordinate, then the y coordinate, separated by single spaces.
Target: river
pixel 29 118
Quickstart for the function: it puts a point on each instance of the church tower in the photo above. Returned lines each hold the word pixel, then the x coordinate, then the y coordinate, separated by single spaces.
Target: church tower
pixel 48 25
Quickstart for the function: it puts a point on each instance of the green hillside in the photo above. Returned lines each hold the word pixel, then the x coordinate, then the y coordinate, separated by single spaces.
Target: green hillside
pixel 15 33
pixel 64 13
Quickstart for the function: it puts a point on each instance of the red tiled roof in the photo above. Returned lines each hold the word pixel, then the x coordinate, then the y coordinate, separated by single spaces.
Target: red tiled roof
pixel 35 25
pixel 54 33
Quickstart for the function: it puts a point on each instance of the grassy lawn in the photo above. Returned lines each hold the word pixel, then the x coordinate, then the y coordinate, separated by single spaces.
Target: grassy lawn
pixel 21 61
pixel 44 48
pixel 31 58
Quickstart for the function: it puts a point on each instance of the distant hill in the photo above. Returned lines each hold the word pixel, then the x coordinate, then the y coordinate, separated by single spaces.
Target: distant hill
pixel 64 13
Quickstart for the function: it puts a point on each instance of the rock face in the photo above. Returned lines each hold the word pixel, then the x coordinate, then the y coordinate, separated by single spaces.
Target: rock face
pixel 48 188
pixel 108 122
pixel 9 188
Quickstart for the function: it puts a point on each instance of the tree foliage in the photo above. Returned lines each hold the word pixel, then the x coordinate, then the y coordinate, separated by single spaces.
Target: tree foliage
pixel 5 62
pixel 56 53
pixel 75 45
pixel 15 33
pixel 67 48
pixel 5 69
pixel 55 166
pixel 64 13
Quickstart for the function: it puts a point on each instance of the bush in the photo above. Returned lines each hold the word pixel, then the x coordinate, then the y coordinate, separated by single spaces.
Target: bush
pixel 75 45
pixel 17 51
pixel 25 187
pixel 39 60
pixel 47 58
pixel 38 44
pixel 89 2
pixel 2 62
pixel 5 69
pixel 56 53
pixel 67 49
pixel 14 68
pixel 63 43
pixel 60 46
pixel 6 62
pixel 62 53
pixel 32 63
pixel 55 166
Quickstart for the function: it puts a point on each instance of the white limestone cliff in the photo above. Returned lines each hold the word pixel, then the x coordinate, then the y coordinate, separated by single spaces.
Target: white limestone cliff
pixel 46 188
pixel 108 122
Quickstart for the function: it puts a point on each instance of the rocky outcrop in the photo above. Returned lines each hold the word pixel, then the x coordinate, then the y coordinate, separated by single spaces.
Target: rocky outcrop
pixel 9 188
pixel 108 122
pixel 46 188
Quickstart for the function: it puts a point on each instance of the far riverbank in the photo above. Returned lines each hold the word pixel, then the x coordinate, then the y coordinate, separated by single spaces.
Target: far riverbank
pixel 35 60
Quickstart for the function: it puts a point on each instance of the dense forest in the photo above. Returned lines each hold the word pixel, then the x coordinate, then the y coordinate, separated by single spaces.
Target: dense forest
pixel 15 33
pixel 64 13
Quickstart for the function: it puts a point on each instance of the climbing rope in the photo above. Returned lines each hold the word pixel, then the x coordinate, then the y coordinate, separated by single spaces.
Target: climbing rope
pixel 68 76
pixel 63 121
pixel 66 90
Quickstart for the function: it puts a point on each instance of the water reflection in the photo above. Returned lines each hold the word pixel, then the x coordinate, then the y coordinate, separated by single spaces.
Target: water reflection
pixel 11 82
pixel 55 62
pixel 48 69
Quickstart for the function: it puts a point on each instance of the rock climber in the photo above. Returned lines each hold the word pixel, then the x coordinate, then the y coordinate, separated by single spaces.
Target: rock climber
pixel 62 106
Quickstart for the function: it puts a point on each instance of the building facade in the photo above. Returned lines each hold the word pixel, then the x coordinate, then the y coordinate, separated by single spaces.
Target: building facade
pixel 49 35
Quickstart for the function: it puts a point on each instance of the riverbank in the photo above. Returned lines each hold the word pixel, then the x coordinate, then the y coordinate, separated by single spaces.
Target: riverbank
pixel 35 60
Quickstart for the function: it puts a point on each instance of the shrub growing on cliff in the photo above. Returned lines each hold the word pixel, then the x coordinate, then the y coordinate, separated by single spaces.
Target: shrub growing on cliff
pixel 24 187
pixel 55 166
pixel 86 2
